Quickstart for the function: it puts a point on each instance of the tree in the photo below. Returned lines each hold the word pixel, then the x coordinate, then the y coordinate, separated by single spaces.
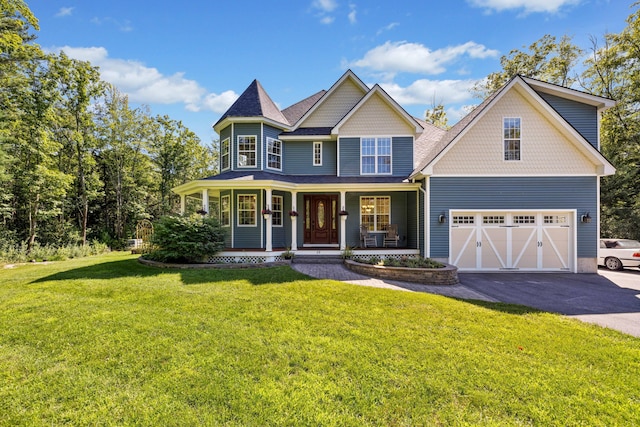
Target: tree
pixel 80 86
pixel 437 116
pixel 546 60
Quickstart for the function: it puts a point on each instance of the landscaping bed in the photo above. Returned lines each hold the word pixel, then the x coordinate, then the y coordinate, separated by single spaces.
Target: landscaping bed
pixel 444 275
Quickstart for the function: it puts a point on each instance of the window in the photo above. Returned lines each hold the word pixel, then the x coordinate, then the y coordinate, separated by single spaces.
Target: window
pixel 493 219
pixel 224 155
pixel 276 211
pixel 317 154
pixel 246 210
pixel 375 212
pixel 375 156
pixel 464 219
pixel 225 211
pixel 511 135
pixel 274 154
pixel 247 151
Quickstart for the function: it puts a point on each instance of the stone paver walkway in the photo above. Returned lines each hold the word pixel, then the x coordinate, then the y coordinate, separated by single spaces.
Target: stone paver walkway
pixel 343 274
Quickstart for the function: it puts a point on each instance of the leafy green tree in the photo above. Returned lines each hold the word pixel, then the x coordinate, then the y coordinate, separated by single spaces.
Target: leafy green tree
pixel 80 87
pixel 546 59
pixel 437 116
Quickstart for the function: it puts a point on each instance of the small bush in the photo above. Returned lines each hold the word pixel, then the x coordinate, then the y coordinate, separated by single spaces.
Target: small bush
pixel 20 253
pixel 186 239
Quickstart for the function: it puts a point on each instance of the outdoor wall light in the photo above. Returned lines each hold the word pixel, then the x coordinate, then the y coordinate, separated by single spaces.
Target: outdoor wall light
pixel 586 218
pixel 442 219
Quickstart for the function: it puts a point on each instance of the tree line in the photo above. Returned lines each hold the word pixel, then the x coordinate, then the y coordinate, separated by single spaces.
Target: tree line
pixel 77 162
pixel 609 67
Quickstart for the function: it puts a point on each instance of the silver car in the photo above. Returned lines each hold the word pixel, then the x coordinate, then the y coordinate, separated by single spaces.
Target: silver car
pixel 615 254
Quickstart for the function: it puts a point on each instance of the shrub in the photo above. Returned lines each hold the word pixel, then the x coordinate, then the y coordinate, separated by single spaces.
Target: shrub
pixel 186 239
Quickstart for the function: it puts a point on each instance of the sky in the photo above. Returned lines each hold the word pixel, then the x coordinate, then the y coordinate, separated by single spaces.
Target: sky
pixel 190 60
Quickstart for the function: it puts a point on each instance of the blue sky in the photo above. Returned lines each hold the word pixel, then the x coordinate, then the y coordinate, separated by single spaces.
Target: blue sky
pixel 191 60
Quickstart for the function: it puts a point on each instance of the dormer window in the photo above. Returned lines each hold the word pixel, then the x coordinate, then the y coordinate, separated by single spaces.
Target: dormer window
pixel 247 151
pixel 511 138
pixel 375 156
pixel 274 154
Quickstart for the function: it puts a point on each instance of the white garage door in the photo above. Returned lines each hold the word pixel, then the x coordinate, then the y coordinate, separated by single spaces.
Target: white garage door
pixel 518 241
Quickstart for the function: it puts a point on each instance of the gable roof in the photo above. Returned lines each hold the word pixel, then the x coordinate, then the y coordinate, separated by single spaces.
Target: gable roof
pixel 294 112
pixel 254 102
pixel 377 90
pixel 438 149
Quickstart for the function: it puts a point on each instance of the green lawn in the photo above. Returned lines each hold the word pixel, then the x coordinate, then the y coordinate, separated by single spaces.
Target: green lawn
pixel 107 341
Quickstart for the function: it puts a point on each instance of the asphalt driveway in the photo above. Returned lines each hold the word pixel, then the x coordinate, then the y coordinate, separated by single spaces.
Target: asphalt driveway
pixel 609 298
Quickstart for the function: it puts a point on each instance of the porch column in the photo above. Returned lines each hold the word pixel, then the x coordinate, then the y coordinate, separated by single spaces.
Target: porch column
pixel 183 204
pixel 205 201
pixel 269 221
pixel 343 221
pixel 294 222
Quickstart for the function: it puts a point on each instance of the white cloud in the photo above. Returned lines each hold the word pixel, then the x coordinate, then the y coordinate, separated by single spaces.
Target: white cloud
pixel 325 5
pixel 429 92
pixel 403 56
pixel 327 20
pixel 529 6
pixel 64 11
pixel 389 27
pixel 147 85
pixel 352 14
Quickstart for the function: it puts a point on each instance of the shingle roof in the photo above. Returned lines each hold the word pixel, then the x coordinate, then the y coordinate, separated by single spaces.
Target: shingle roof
pixel 309 131
pixel 426 140
pixel 254 102
pixel 294 112
pixel 304 179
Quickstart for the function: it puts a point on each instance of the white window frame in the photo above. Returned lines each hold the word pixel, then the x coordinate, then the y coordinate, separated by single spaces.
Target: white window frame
pixel 225 142
pixel 376 227
pixel 241 209
pixel 506 141
pixel 271 141
pixel 255 151
pixel 227 211
pixel 376 155
pixel 317 149
pixel 277 203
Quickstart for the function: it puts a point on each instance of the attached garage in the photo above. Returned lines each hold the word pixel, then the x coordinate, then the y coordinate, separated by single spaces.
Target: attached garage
pixel 512 240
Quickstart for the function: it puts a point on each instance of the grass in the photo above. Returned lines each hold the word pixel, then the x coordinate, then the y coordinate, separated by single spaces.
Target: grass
pixel 107 341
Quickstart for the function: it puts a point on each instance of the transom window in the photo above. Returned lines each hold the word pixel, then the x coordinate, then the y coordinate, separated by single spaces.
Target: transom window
pixel 317 153
pixel 375 156
pixel 276 211
pixel 225 157
pixel 247 151
pixel 225 211
pixel 246 210
pixel 274 154
pixel 375 212
pixel 511 137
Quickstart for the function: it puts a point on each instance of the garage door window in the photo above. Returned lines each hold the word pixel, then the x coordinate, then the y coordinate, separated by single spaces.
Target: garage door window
pixel 493 219
pixel 464 219
pixel 524 219
pixel 555 219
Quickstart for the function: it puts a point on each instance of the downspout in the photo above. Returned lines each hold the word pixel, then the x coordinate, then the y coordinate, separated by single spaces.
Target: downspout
pixel 427 218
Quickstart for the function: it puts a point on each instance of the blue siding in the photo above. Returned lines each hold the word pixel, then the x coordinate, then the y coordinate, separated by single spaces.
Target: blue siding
pixel 561 193
pixel 402 155
pixel 584 118
pixel 298 158
pixel 349 156
pixel 412 221
pixel 247 237
pixel 246 129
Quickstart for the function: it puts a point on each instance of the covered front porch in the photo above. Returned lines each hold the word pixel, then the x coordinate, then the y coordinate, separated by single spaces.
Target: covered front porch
pixel 265 218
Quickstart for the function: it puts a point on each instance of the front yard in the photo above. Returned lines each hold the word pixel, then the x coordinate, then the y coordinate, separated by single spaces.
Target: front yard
pixel 107 341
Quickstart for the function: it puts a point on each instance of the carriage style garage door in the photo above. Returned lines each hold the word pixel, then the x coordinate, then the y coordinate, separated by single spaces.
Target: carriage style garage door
pixel 512 241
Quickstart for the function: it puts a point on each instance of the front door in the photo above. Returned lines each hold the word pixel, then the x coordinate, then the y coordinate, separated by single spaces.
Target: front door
pixel 320 219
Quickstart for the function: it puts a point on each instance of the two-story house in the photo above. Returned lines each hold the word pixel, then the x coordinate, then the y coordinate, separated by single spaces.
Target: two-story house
pixel 512 186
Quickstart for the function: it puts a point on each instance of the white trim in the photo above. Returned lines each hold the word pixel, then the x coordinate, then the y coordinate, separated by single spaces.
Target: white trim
pixel 228 196
pixel 319 144
pixel 229 154
pixel 268 139
pixel 282 212
pixel 255 213
pixel 255 151
pixel 511 139
pixel 376 155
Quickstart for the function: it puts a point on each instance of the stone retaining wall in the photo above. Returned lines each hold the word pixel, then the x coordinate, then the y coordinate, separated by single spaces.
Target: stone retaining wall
pixel 448 275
